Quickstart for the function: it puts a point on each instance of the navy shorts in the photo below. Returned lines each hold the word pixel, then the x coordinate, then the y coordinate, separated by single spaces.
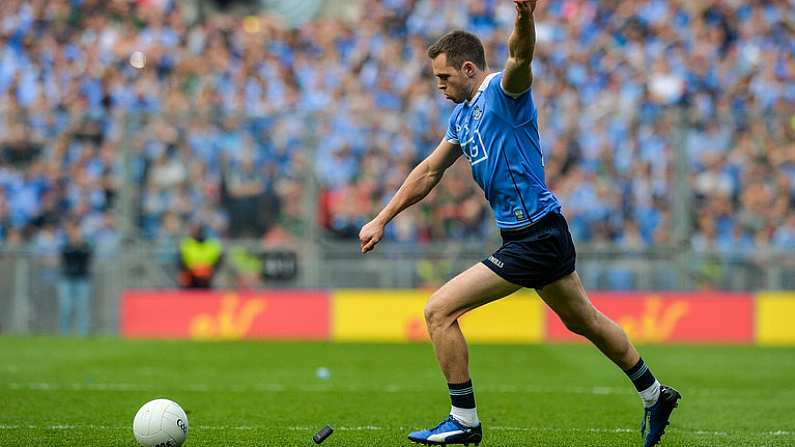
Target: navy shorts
pixel 536 255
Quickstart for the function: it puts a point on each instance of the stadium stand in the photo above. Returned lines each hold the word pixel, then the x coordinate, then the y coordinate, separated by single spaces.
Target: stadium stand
pixel 229 113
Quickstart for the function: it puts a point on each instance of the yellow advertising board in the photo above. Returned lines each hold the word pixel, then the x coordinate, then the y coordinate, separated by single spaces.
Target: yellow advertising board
pixel 397 316
pixel 775 312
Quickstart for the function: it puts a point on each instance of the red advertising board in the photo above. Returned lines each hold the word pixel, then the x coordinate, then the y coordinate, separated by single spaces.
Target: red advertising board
pixel 269 314
pixel 671 317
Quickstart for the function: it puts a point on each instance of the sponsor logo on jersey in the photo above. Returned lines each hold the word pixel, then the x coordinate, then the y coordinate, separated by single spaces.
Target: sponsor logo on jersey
pixel 473 147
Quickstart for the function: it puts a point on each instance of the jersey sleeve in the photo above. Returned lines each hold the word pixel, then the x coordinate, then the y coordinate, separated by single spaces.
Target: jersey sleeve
pixel 516 109
pixel 496 86
pixel 452 134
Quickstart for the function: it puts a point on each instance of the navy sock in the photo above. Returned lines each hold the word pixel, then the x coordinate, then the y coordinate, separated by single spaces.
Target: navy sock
pixel 462 395
pixel 641 376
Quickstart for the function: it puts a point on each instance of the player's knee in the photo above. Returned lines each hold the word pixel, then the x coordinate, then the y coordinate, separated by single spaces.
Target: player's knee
pixel 436 315
pixel 432 312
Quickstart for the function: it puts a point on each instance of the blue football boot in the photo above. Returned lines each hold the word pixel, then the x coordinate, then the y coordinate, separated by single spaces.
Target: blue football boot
pixel 449 431
pixel 658 415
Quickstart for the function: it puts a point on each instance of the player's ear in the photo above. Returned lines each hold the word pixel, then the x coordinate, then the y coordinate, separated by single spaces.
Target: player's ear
pixel 469 69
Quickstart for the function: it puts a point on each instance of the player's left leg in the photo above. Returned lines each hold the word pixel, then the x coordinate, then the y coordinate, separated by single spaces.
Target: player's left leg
pixel 568 299
pixel 473 288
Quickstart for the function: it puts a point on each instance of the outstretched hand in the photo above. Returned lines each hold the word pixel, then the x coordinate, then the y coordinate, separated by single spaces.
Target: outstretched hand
pixel 371 234
pixel 525 6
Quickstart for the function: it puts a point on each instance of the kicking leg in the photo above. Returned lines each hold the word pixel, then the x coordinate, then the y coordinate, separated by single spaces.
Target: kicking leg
pixel 567 298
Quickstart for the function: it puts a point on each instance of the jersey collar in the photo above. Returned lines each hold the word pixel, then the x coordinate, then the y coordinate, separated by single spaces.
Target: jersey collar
pixel 482 87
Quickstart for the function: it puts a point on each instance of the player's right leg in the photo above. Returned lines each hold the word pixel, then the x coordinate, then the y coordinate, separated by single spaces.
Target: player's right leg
pixel 472 288
pixel 568 299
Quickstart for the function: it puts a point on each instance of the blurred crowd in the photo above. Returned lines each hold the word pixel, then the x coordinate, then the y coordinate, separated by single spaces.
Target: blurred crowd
pixel 219 119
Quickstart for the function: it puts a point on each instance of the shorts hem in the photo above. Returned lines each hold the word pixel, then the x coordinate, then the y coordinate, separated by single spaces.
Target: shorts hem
pixel 501 274
pixel 535 285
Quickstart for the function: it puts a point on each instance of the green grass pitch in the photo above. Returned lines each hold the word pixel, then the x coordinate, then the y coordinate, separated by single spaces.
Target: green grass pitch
pixel 69 392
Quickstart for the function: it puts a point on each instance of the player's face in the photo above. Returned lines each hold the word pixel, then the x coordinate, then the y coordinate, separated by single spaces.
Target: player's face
pixel 453 83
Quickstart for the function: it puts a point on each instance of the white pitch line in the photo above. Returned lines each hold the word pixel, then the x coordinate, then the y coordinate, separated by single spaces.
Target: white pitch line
pixel 362 428
pixel 331 387
pixel 782 433
pixel 313 388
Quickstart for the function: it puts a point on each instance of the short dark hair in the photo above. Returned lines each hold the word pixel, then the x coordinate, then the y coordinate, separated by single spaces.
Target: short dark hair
pixel 460 46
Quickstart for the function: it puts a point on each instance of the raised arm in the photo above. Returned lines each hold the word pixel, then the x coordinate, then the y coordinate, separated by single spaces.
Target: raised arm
pixel 517 76
pixel 417 185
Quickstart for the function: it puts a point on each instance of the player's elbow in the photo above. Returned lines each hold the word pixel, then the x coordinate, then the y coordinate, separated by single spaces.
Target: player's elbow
pixel 422 180
pixel 520 59
pixel 434 176
pixel 428 182
pixel 433 171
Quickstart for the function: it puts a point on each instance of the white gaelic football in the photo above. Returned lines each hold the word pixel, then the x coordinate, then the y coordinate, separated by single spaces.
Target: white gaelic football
pixel 160 423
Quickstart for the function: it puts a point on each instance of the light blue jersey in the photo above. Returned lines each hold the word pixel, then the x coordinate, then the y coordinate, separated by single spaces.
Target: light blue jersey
pixel 498 134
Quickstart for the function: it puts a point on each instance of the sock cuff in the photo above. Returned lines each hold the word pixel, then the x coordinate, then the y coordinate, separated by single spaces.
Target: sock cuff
pixel 462 395
pixel 460 386
pixel 638 370
pixel 641 376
